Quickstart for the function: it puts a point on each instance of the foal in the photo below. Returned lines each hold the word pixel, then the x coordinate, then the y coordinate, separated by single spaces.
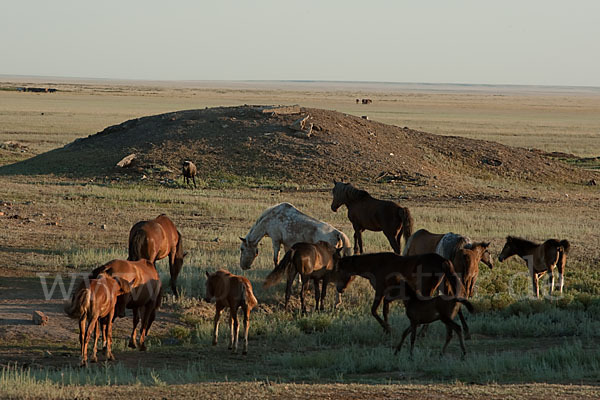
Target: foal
pixel 421 310
pixel 231 291
pixel 94 305
pixel 311 261
pixel 540 258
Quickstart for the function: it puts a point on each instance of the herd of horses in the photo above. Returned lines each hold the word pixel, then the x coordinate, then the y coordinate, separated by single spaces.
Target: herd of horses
pixel 434 275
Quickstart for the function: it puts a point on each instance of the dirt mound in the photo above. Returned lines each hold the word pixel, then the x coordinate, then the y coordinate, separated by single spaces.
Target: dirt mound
pixel 246 141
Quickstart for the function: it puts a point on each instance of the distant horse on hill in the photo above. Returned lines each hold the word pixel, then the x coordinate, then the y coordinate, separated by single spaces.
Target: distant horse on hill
pixel 368 213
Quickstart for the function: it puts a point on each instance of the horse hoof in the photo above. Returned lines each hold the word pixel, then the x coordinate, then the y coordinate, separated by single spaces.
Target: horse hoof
pixel 83 364
pixel 214 343
pixel 94 359
pixel 230 348
pixel 132 345
pixel 143 347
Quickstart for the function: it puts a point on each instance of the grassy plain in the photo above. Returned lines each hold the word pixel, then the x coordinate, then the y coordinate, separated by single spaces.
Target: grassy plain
pixel 519 346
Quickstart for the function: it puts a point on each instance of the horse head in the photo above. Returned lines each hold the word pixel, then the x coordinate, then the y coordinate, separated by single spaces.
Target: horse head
pixel 248 252
pixel 508 250
pixel 486 257
pixel 342 278
pixel 336 192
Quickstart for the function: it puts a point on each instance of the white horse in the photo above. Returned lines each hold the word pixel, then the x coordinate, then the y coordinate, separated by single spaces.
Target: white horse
pixel 287 225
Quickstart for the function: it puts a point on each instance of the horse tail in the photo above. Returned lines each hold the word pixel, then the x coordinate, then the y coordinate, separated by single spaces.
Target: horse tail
pixel 136 241
pixel 407 245
pixel 452 279
pixel 247 295
pixel 158 301
pixel 407 223
pixel 467 304
pixel 80 302
pixel 276 275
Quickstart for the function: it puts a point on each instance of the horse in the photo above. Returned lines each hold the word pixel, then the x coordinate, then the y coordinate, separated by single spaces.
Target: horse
pixel 311 261
pixel 94 304
pixel 156 239
pixel 540 258
pixel 145 296
pixel 387 271
pixel 231 291
pixel 366 212
pixel 287 225
pixel 189 171
pixel 424 311
pixel 466 264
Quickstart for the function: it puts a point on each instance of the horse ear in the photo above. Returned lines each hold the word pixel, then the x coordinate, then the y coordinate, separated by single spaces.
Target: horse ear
pixel 124 284
pixel 207 274
pixel 334 181
pixel 486 244
pixel 242 239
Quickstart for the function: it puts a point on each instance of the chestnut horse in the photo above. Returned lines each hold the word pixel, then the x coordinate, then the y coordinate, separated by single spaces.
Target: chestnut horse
pixel 540 258
pixel 366 212
pixel 387 271
pixel 94 304
pixel 145 296
pixel 156 239
pixel 421 310
pixel 231 291
pixel 311 261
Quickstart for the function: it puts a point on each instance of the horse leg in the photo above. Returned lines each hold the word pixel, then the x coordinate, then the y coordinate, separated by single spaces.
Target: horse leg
pixel 231 312
pixel 276 246
pixel 144 327
pixel 413 336
pixel 454 326
pixel 236 330
pixel 246 311
pixel 317 293
pixel 535 282
pixel 463 322
pixel 391 237
pixel 88 333
pixel 448 338
pixel 174 272
pixel 550 281
pixel 324 292
pixel 216 325
pixel 357 240
pixel 136 320
pixel 404 335
pixel 108 336
pixel 561 279
pixel 95 348
pixel 386 309
pixel 194 179
pixel 374 307
pixel 303 288
pixel 288 288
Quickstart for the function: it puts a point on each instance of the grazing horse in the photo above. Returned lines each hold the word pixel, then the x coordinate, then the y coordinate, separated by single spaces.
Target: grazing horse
pixel 311 261
pixel 145 296
pixel 94 304
pixel 231 291
pixel 287 225
pixel 540 258
pixel 366 212
pixel 424 311
pixel 156 239
pixel 387 271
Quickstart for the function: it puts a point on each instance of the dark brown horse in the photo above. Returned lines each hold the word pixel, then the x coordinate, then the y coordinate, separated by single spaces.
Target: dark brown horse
pixel 311 261
pixel 421 310
pixel 156 239
pixel 540 258
pixel 145 296
pixel 94 304
pixel 368 213
pixel 231 291
pixel 387 271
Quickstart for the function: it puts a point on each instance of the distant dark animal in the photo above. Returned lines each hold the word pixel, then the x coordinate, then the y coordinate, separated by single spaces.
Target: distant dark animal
pixel 421 310
pixel 156 239
pixel 311 261
pixel 464 254
pixel 366 212
pixel 367 101
pixel 94 304
pixel 231 291
pixel 189 171
pixel 387 271
pixel 145 296
pixel 540 258
pixel 357 101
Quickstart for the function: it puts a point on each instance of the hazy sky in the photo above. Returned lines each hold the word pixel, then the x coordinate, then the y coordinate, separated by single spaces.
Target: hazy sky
pixel 455 41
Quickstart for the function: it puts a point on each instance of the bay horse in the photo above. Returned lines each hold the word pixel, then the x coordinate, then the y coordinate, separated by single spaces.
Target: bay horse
pixel 94 303
pixel 540 258
pixel 156 239
pixel 287 225
pixel 235 292
pixel 368 213
pixel 421 310
pixel 387 271
pixel 145 296
pixel 311 261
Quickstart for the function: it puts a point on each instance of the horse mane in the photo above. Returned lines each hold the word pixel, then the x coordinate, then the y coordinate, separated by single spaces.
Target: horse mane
pixel 347 192
pixel 263 216
pixel 520 244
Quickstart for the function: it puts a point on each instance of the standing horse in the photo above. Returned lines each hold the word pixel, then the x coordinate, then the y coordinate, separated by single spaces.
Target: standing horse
pixel 387 272
pixel 366 212
pixel 287 225
pixel 540 258
pixel 424 311
pixel 456 248
pixel 311 261
pixel 145 296
pixel 231 291
pixel 156 239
